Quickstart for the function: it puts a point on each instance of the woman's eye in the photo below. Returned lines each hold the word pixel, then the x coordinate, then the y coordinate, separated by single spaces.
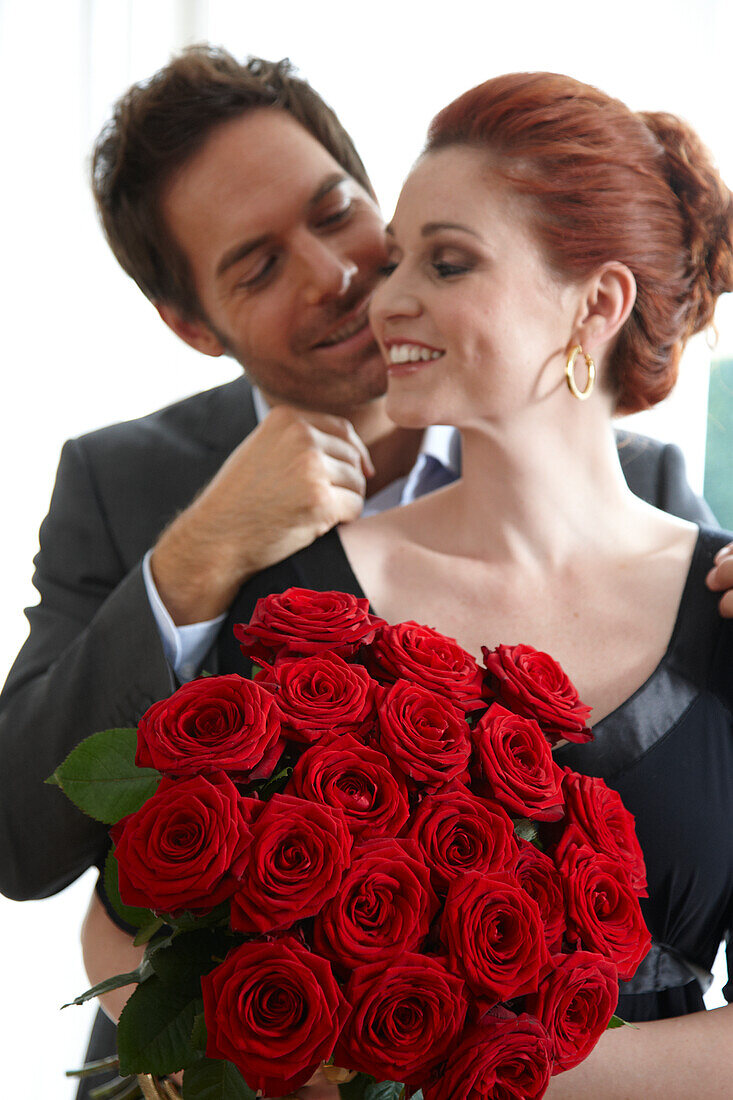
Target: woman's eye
pixel 444 270
pixel 387 269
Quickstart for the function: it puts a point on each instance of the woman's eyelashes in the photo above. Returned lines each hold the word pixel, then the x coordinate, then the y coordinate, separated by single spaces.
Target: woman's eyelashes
pixel 443 269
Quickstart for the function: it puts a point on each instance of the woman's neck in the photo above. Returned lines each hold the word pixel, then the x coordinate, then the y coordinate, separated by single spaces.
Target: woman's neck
pixel 542 488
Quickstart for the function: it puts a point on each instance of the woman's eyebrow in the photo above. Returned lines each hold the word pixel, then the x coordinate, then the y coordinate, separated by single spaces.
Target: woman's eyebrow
pixel 435 227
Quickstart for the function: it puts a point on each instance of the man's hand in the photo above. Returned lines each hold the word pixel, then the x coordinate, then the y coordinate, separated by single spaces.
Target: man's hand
pixel 291 480
pixel 720 579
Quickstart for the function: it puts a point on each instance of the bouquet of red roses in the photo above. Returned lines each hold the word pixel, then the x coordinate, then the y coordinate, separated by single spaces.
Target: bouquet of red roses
pixel 364 858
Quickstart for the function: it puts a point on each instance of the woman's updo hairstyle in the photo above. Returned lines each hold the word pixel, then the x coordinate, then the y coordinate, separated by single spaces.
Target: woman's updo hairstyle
pixel 609 184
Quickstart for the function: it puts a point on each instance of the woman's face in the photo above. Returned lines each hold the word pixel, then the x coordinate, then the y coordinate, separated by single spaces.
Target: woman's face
pixel 471 320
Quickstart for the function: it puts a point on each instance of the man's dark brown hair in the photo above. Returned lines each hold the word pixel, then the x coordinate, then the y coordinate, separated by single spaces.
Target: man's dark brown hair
pixel 160 123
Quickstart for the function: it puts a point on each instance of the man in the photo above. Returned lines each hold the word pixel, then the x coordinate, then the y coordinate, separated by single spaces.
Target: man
pixel 233 197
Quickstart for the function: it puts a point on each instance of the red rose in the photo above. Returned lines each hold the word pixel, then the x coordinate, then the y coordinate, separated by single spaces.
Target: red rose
pixel 513 757
pixel 423 734
pixel 275 1011
pixel 383 908
pixel 404 1019
pixel 538 875
pixel 507 1058
pixel 608 827
pixel 421 655
pixel 358 780
pixel 186 847
pixel 301 622
pixel 297 858
pixel 459 832
pixel 575 1002
pixel 493 933
pixel 215 723
pixel 321 694
pixel 532 684
pixel 603 911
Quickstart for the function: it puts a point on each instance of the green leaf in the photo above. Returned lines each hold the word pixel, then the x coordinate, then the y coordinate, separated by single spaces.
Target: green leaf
pixel 354 1089
pixel 199 1036
pixel 192 922
pixel 100 776
pixel 384 1090
pixel 154 1032
pixel 117 981
pixel 526 829
pixel 616 1021
pixel 134 915
pixel 275 784
pixel 212 1079
pixel 364 1087
pixel 146 933
pixel 181 964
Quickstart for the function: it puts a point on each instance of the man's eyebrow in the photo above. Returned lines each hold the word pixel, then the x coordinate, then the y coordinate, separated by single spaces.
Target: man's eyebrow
pixel 328 185
pixel 239 251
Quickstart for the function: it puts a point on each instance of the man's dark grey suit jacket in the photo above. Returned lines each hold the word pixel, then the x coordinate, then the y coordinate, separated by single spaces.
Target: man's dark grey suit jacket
pixel 93 659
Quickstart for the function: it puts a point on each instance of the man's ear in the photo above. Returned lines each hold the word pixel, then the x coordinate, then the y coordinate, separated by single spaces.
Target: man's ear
pixel 608 300
pixel 196 334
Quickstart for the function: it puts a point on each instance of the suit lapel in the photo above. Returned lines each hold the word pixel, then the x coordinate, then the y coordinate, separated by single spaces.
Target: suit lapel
pixel 227 416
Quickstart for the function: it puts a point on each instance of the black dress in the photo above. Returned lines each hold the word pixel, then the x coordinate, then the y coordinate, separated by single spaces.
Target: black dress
pixel 668 751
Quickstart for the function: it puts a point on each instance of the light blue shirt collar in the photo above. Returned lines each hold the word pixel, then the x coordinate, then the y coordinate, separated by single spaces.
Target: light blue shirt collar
pixel 438 463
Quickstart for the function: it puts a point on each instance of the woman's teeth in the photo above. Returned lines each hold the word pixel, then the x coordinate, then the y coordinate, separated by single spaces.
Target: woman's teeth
pixel 411 353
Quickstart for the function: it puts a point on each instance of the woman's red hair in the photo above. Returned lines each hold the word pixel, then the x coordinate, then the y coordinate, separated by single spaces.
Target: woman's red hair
pixel 609 184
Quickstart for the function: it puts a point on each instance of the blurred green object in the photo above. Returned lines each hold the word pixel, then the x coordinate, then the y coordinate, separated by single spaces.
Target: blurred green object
pixel 718 489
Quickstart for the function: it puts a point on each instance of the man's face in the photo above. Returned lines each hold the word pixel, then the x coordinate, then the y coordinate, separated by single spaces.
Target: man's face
pixel 285 249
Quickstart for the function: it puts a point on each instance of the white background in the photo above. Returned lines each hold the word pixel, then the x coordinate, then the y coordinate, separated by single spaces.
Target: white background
pixel 80 346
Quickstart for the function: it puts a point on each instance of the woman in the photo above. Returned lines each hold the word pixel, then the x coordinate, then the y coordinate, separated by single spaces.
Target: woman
pixel 549 256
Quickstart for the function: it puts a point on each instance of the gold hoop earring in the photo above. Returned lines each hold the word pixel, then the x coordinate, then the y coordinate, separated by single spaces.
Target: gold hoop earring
pixel 582 395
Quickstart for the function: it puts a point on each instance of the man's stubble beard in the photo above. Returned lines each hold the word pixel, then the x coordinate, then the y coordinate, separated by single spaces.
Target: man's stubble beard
pixel 321 391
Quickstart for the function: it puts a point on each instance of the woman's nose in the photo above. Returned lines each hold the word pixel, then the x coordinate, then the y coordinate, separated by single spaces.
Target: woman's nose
pixel 393 299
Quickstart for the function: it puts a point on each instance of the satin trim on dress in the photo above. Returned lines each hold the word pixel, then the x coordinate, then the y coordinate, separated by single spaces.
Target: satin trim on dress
pixel 664 968
pixel 626 734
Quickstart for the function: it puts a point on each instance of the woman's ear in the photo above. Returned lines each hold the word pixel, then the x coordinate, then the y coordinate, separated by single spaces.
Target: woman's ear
pixel 196 334
pixel 609 298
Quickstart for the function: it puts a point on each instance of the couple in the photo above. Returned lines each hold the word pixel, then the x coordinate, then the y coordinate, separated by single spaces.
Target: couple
pixel 545 227
pixel 549 255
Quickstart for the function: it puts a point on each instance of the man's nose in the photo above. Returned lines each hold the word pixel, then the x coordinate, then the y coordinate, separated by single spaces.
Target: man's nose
pixel 327 273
